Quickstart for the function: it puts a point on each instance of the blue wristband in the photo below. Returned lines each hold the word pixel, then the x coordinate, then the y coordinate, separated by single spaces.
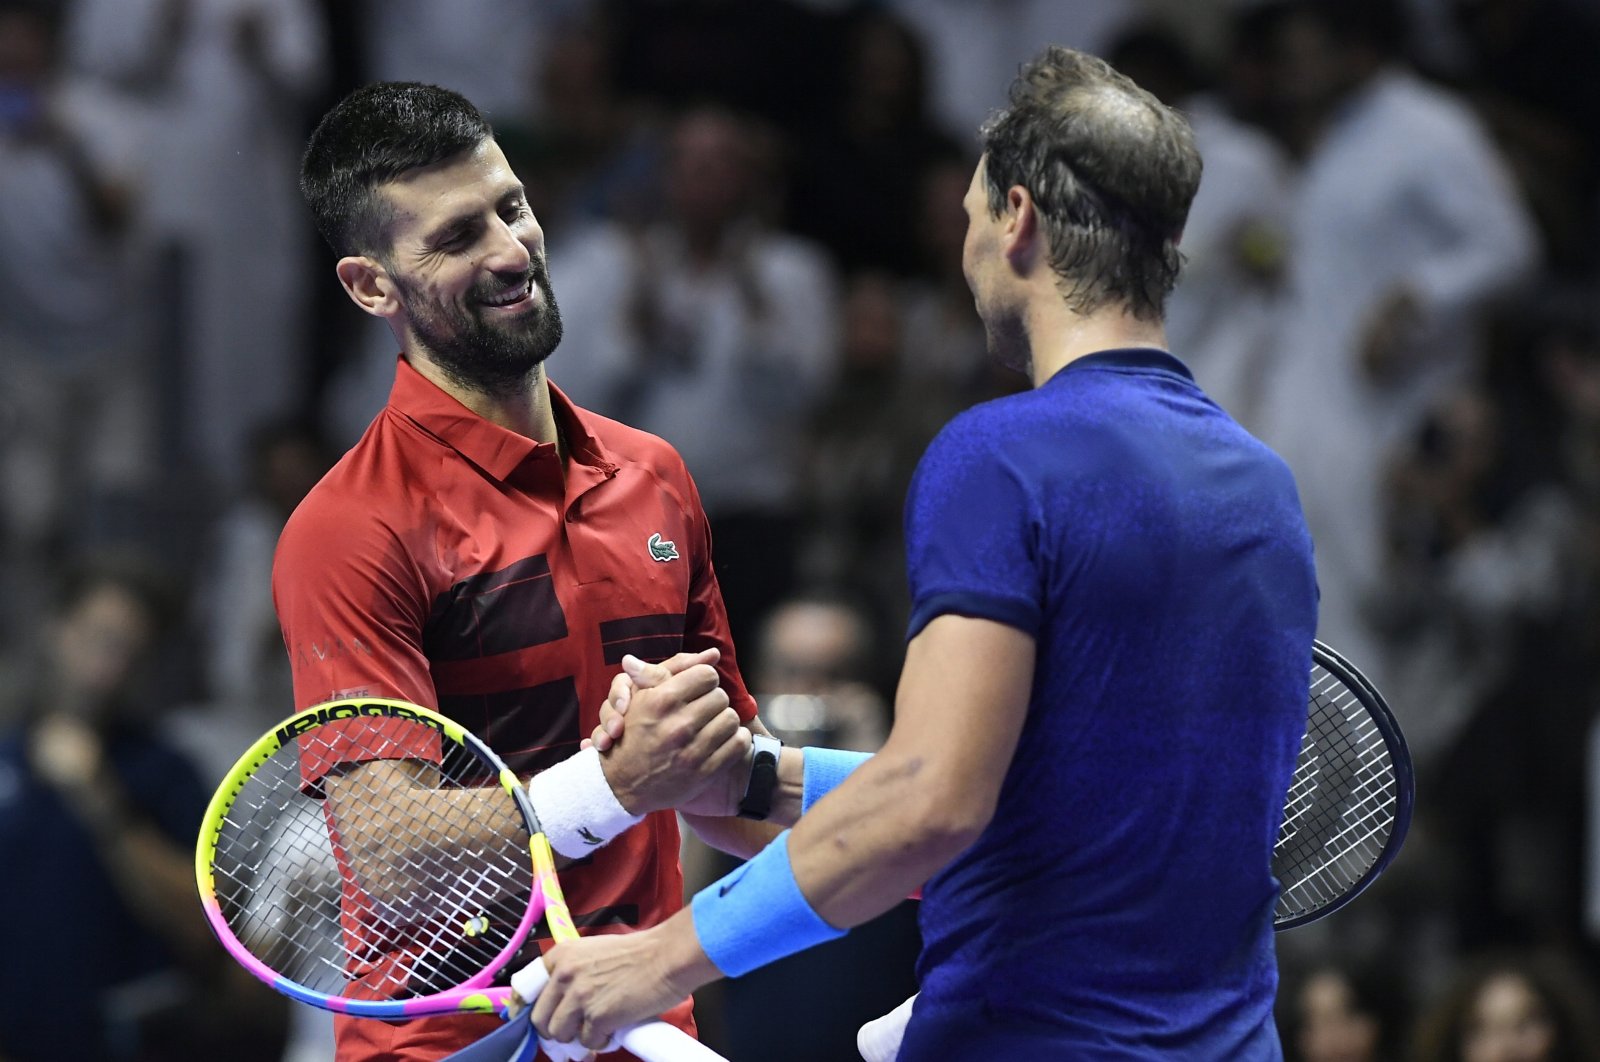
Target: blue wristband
pixel 757 914
pixel 825 768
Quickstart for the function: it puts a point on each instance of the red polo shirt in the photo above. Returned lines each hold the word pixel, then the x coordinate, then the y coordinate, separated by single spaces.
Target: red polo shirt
pixel 447 561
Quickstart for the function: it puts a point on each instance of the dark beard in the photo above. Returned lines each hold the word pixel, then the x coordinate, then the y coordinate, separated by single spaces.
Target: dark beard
pixel 479 356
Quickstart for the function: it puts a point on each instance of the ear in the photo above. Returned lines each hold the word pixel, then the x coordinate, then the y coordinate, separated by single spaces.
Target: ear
pixel 1019 238
pixel 369 285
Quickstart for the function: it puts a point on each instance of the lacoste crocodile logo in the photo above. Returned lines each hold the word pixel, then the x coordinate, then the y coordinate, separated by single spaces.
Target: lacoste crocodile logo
pixel 661 550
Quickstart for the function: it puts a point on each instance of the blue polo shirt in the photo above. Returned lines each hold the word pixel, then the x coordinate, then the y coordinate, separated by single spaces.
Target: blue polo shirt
pixel 1119 905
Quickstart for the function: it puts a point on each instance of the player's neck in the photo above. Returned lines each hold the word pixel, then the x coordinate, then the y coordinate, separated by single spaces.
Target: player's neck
pixel 1059 336
pixel 526 410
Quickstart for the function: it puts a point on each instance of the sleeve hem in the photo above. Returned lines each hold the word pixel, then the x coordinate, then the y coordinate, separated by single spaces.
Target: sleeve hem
pixel 1023 615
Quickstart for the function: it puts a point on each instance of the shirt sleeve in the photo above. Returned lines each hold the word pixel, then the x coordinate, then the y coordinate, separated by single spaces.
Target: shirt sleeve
pixel 972 532
pixel 706 619
pixel 351 621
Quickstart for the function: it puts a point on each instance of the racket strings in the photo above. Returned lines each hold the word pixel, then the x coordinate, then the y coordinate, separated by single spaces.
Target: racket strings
pixel 409 888
pixel 1341 804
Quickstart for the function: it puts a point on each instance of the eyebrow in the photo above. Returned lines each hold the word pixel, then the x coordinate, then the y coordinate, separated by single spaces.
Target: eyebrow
pixel 450 229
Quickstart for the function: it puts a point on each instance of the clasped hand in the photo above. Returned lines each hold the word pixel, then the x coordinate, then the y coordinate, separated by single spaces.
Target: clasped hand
pixel 686 747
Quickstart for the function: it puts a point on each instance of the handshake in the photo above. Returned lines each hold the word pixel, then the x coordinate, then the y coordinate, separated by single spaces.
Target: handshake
pixel 668 738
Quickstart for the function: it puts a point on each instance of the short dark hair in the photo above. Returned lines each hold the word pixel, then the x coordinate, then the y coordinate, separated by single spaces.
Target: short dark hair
pixel 1112 172
pixel 372 136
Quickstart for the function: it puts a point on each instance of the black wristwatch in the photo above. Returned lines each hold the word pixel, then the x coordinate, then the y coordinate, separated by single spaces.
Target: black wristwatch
pixel 757 802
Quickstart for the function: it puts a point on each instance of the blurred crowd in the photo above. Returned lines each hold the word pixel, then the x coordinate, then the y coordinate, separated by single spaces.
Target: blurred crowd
pixel 753 212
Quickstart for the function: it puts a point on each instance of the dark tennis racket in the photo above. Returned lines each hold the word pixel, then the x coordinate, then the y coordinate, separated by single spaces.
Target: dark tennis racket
pixel 1349 804
pixel 373 858
pixel 1344 817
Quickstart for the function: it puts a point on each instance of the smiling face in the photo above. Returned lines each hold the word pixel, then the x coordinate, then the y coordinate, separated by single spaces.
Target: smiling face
pixel 464 280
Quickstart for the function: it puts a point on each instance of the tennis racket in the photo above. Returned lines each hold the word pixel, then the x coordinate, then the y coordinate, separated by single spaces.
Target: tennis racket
pixel 1349 803
pixel 1344 817
pixel 373 858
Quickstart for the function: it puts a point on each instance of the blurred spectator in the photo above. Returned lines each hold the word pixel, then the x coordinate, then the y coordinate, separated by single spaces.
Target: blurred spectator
pixel 74 400
pixel 1475 554
pixel 1246 70
pixel 944 341
pixel 587 152
pixel 864 443
pixel 225 83
pixel 487 50
pixel 1220 318
pixel 774 59
pixel 248 685
pixel 975 45
pixel 1525 588
pixel 1527 75
pixel 716 332
pixel 1404 223
pixel 1516 1007
pixel 111 958
pixel 1341 1011
pixel 817 675
pixel 851 176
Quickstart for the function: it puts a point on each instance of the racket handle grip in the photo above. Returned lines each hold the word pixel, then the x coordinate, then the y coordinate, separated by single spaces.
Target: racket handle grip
pixel 653 1041
pixel 656 1041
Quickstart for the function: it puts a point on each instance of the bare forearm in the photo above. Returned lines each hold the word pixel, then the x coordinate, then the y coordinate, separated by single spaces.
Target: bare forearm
pixel 737 837
pixel 880 836
pixel 395 822
pixel 744 837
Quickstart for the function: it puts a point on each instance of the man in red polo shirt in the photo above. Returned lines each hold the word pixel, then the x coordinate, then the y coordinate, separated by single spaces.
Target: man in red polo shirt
pixel 490 549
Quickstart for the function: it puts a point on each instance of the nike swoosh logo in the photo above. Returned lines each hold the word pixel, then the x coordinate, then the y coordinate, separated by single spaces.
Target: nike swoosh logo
pixel 727 886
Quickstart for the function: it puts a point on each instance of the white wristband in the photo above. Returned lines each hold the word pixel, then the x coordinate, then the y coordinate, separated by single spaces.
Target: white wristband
pixel 576 807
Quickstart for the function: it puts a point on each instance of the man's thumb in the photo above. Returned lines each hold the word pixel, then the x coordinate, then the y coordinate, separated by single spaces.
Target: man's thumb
pixel 644 675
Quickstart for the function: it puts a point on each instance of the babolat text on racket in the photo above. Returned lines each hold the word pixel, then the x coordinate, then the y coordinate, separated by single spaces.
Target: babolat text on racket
pixel 374 858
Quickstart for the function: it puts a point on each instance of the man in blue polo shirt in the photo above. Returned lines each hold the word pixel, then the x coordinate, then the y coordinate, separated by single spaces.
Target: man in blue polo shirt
pixel 1105 685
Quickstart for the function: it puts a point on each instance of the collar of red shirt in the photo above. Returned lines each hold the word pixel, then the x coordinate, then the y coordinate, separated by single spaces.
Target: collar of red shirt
pixel 492 448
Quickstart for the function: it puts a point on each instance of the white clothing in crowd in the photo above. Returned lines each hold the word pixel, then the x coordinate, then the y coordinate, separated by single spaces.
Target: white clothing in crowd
pixel 225 83
pixel 1403 192
pixel 74 410
pixel 736 395
pixel 487 50
pixel 1220 319
pixel 976 47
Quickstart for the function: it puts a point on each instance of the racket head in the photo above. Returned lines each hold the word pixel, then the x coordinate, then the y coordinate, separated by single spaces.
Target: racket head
pixel 417 927
pixel 1349 804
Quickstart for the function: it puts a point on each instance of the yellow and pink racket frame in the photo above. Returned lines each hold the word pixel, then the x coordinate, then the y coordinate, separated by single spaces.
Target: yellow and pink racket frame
pixel 475 995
